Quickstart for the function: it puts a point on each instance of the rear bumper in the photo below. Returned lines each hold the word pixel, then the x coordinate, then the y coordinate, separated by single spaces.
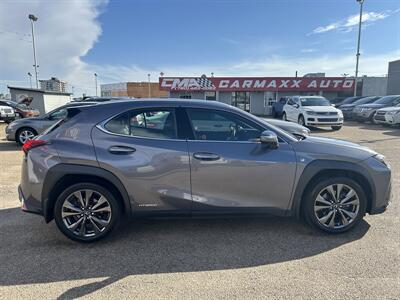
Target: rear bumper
pixel 28 204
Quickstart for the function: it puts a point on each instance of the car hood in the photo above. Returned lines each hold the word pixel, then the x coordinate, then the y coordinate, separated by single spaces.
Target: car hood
pixel 347 105
pixel 321 108
pixel 288 126
pixel 372 105
pixel 391 108
pixel 327 148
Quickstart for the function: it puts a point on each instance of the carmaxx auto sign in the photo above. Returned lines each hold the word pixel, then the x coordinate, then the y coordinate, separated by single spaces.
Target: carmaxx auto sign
pixel 232 84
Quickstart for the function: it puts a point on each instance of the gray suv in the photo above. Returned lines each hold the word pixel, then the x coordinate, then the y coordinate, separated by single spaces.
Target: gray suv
pixel 189 158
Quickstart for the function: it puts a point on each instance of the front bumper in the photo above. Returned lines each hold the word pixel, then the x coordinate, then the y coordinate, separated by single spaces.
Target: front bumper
pixel 392 119
pixel 363 115
pixel 7 117
pixel 324 121
pixel 347 114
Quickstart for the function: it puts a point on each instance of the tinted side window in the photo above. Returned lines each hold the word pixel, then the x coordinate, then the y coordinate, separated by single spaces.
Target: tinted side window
pixel 59 114
pixel 155 123
pixel 290 101
pixel 221 126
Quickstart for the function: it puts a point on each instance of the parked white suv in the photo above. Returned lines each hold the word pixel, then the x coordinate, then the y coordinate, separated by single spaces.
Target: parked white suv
pixel 7 114
pixel 312 111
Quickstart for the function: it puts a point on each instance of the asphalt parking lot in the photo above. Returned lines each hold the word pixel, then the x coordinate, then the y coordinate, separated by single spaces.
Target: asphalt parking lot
pixel 225 258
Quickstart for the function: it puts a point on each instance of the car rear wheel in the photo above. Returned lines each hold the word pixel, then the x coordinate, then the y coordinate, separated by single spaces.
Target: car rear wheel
pixel 25 134
pixel 86 212
pixel 335 205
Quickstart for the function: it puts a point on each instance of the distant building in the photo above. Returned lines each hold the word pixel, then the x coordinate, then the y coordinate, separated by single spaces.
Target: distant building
pixel 393 83
pixel 373 86
pixel 54 85
pixel 133 89
pixel 315 75
pixel 43 101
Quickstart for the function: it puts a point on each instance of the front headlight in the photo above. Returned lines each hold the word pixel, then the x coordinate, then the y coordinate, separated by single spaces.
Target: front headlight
pixel 310 112
pixel 381 158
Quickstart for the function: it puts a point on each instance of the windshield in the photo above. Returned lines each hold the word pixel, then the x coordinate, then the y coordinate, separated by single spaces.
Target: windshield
pixel 350 100
pixel 386 100
pixel 314 102
pixel 365 100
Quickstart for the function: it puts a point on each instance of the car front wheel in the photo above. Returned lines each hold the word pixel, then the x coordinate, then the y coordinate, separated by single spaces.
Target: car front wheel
pixel 86 212
pixel 335 205
pixel 301 121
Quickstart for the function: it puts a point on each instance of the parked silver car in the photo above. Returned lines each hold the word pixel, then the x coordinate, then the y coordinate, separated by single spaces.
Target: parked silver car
pixel 23 130
pixel 118 159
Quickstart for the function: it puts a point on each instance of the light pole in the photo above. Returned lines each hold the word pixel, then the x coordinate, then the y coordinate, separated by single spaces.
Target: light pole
pixel 148 77
pixel 33 19
pixel 30 78
pixel 95 82
pixel 358 45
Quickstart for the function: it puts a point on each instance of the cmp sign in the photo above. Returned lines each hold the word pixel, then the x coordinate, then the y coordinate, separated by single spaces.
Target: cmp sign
pixel 234 84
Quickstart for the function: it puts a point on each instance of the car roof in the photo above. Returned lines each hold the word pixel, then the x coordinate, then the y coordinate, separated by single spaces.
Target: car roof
pixel 166 102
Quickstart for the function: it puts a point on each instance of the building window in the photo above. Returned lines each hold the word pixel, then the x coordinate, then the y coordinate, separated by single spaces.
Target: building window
pixel 185 96
pixel 241 100
pixel 211 95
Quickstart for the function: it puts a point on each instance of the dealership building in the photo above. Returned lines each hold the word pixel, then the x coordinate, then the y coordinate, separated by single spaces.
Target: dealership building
pixel 254 94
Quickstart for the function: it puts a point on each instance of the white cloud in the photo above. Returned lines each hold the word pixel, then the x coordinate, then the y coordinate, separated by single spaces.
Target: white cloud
pixel 65 32
pixel 352 21
pixel 308 50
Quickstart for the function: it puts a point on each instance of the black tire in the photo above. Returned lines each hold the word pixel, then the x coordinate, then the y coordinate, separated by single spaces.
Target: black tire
pixel 284 116
pixel 311 195
pixel 336 127
pixel 19 131
pixel 301 121
pixel 274 113
pixel 114 219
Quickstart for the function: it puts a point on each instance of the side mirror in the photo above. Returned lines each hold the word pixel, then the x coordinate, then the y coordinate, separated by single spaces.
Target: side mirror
pixel 296 105
pixel 269 139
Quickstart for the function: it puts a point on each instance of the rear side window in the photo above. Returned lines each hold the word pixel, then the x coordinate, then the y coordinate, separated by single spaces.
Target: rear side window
pixel 154 123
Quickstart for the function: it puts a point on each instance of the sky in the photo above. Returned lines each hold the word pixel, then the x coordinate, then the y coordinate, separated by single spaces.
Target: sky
pixel 123 40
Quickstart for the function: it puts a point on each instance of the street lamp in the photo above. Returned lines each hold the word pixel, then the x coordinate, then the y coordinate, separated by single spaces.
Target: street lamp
pixel 148 77
pixel 30 78
pixel 33 18
pixel 95 82
pixel 358 45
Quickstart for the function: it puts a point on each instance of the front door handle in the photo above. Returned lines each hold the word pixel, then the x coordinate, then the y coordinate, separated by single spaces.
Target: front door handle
pixel 206 156
pixel 121 150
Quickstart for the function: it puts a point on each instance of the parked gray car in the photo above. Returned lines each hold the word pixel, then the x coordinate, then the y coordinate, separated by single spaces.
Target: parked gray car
pixel 23 130
pixel 113 160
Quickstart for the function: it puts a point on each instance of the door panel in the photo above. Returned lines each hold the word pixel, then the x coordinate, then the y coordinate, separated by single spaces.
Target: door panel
pixel 155 171
pixel 231 170
pixel 244 175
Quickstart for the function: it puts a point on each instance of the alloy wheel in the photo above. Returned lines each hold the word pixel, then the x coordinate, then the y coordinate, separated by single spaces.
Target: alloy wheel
pixel 25 135
pixel 336 206
pixel 86 213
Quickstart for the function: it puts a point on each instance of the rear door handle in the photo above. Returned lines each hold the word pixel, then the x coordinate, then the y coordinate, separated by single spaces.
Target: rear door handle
pixel 206 156
pixel 121 150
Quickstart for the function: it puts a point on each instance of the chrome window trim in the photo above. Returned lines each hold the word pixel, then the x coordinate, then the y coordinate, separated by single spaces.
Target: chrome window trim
pixel 102 123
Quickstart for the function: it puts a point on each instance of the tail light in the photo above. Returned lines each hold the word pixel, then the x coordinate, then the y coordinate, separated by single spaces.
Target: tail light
pixel 32 144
